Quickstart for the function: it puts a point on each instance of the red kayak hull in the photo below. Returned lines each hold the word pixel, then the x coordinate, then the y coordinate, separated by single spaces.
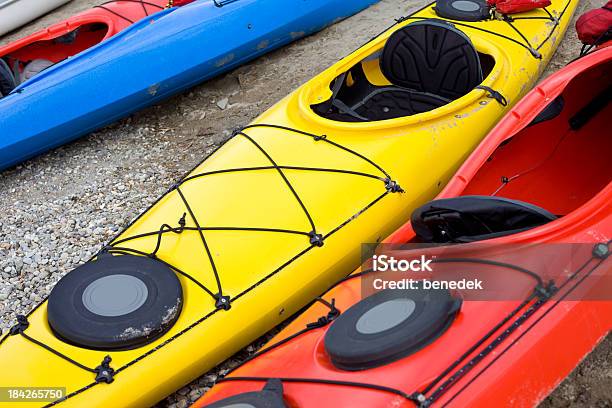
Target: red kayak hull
pixel 108 19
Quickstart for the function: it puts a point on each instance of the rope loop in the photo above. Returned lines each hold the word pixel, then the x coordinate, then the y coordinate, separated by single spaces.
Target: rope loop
pixel 546 292
pixel 223 302
pixel 393 186
pixel 104 372
pixel 182 222
pixel 21 325
pixel 316 239
pixel 325 320
pixel 601 251
pixel 492 93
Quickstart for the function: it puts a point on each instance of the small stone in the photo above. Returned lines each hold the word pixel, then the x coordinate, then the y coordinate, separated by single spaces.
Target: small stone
pixel 195 394
pixel 222 103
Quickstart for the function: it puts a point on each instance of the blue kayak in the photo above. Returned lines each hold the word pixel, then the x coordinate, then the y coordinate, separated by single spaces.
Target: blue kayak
pixel 153 59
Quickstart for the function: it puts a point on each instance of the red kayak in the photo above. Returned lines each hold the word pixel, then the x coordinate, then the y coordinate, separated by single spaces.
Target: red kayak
pixel 531 209
pixel 30 55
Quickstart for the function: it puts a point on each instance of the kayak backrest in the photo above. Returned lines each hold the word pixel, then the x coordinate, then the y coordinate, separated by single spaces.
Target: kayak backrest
pixel 475 218
pixel 34 67
pixel 270 397
pixel 432 56
pixel 7 79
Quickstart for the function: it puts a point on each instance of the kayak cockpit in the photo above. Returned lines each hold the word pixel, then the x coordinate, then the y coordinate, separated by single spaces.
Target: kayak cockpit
pixel 17 66
pixel 422 66
pixel 549 169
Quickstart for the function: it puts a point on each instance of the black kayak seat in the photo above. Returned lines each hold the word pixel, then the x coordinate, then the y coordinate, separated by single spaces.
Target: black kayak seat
pixel 550 112
pixel 475 218
pixel 7 79
pixel 270 397
pixel 429 63
pixel 432 56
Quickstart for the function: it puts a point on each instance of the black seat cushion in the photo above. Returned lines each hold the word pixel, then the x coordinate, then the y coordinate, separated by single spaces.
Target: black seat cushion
pixel 463 10
pixel 475 218
pixel 270 397
pixel 7 79
pixel 429 63
pixel 432 56
pixel 393 102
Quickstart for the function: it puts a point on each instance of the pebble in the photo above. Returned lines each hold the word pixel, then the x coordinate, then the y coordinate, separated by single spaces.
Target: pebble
pixel 195 394
pixel 222 103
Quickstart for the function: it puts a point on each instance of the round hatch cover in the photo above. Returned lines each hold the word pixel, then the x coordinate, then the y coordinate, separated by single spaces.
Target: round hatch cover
pixel 388 326
pixel 115 303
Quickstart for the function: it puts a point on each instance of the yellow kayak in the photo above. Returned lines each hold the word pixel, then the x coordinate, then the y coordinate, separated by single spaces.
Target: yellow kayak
pixel 278 213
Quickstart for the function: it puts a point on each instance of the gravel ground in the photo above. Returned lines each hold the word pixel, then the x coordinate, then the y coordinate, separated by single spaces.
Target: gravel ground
pixel 58 209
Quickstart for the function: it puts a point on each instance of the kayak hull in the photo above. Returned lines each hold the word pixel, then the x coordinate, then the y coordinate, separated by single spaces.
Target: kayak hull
pixel 155 58
pixel 115 16
pixel 15 13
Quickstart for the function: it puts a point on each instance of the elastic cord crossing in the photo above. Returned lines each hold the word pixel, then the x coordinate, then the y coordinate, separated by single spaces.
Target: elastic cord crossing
pixel 104 373
pixel 533 50
pixel 315 238
pixel 323 138
pixel 374 387
pixel 131 251
pixel 600 252
pixel 282 174
pixel 557 22
pixel 484 353
pixel 542 298
pixel 541 294
pixel 321 322
pixel 204 243
pixel 282 167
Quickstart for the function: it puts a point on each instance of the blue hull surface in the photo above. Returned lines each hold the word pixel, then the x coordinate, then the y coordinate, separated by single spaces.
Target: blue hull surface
pixel 159 56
